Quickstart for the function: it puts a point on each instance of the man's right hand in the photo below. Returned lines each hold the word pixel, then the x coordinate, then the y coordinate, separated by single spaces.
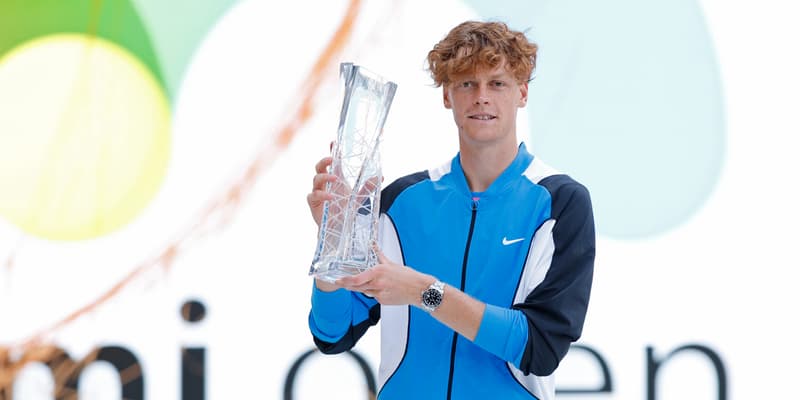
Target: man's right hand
pixel 316 202
pixel 316 199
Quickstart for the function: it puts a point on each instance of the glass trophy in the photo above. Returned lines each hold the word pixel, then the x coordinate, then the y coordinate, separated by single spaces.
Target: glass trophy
pixel 349 227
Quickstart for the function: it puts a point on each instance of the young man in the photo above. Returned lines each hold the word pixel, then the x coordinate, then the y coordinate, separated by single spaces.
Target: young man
pixel 487 260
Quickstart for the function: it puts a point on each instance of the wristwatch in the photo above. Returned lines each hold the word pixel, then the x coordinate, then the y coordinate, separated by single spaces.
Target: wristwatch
pixel 432 296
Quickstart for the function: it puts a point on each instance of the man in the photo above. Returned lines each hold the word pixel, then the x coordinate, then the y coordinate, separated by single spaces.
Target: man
pixel 485 263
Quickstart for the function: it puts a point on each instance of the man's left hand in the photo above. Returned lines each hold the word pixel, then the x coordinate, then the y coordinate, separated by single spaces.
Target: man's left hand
pixel 389 283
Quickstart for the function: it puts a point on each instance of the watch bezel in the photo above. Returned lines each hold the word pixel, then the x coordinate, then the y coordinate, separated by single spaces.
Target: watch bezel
pixel 433 296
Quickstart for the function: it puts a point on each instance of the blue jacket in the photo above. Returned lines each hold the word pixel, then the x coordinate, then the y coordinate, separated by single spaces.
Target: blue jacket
pixel 525 247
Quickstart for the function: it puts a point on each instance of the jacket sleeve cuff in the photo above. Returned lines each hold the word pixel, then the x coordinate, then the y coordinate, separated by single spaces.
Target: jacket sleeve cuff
pixel 504 333
pixel 330 314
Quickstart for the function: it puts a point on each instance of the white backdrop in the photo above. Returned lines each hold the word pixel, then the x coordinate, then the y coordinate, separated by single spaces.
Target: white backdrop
pixel 719 275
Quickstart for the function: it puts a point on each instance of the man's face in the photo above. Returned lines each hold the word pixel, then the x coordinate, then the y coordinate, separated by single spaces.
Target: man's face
pixel 485 103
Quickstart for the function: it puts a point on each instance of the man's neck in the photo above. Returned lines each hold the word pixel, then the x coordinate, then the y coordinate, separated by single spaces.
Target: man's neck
pixel 482 164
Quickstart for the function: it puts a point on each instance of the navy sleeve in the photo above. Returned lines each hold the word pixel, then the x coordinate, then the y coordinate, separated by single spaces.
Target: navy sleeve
pixel 338 319
pixel 556 308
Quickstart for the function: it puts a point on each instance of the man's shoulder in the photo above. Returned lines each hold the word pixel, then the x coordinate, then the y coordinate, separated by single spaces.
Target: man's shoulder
pixel 566 192
pixel 552 179
pixel 562 183
pixel 391 192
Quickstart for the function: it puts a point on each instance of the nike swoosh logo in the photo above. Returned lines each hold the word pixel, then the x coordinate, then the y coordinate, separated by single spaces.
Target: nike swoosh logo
pixel 507 242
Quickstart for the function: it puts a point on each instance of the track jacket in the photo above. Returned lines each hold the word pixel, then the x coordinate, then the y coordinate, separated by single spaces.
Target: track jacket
pixel 525 247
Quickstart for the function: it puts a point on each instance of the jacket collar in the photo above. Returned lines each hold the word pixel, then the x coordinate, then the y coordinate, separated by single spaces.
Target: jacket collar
pixel 504 182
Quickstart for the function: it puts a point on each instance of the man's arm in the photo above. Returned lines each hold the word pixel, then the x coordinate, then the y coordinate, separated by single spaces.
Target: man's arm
pixel 338 318
pixel 394 284
pixel 556 308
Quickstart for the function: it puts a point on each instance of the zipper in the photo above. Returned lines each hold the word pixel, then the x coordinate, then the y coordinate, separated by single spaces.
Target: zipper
pixel 463 284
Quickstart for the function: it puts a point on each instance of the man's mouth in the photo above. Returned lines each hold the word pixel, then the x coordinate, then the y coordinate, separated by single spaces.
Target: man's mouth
pixel 482 117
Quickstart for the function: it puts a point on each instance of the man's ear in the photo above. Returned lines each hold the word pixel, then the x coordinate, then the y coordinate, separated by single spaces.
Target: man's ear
pixel 446 98
pixel 523 91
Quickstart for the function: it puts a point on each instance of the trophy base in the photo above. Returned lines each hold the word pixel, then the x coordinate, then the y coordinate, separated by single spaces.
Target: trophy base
pixel 332 270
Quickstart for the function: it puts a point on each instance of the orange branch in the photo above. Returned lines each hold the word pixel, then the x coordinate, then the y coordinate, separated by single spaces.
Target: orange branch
pixel 335 46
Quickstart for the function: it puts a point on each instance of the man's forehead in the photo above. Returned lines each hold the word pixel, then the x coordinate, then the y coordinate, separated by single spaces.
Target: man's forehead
pixel 484 71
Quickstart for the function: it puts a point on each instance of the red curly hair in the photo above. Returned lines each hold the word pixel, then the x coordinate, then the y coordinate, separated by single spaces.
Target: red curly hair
pixel 473 45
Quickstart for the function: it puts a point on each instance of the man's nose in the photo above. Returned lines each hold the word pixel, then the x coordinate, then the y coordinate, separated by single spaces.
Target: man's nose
pixel 481 96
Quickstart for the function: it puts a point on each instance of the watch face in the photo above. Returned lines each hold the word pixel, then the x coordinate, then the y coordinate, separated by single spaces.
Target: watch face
pixel 432 298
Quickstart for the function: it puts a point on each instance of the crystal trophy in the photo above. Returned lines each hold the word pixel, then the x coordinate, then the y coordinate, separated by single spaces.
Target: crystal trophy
pixel 349 227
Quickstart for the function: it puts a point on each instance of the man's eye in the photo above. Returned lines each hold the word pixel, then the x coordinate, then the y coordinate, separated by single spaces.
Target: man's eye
pixel 499 83
pixel 466 84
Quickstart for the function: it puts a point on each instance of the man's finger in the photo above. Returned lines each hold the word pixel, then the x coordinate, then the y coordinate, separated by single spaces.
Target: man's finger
pixel 355 281
pixel 323 164
pixel 381 257
pixel 319 196
pixel 321 179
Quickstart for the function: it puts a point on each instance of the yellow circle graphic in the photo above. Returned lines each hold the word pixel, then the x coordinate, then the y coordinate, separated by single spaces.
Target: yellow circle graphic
pixel 84 137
